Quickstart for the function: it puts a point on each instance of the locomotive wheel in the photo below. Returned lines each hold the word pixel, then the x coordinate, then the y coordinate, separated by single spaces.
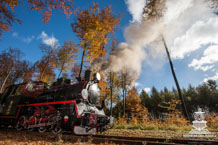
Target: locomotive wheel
pixel 56 129
pixel 33 122
pixel 20 123
pixel 42 129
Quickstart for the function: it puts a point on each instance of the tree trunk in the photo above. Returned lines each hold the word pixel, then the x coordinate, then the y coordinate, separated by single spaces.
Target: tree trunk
pixel 61 69
pixel 175 79
pixel 124 102
pixel 111 87
pixel 43 71
pixel 81 65
pixel 1 91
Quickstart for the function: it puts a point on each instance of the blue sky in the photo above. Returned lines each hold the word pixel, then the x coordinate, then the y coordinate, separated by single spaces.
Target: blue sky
pixel 32 32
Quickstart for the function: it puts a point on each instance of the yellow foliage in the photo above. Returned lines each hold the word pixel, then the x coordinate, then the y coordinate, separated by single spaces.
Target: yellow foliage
pixel 212 120
pixel 66 56
pixel 92 27
pixel 174 116
pixel 133 104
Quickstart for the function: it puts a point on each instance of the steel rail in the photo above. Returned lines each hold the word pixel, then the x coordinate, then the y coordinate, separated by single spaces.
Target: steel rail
pixel 98 139
pixel 168 140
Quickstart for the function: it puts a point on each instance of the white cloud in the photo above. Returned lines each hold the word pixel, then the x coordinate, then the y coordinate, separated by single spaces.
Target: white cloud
pixel 43 35
pixel 50 41
pixel 215 77
pixel 147 90
pixel 28 39
pixel 201 33
pixel 135 8
pixel 24 39
pixel 210 56
pixel 15 34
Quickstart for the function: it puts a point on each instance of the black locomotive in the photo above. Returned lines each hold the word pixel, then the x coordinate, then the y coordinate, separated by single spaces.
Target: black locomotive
pixel 61 107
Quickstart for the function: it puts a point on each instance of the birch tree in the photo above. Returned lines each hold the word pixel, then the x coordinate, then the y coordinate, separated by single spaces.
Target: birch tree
pixel 65 58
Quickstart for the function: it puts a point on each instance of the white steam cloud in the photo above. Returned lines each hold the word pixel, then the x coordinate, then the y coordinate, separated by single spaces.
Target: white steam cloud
pixel 186 26
pixel 135 8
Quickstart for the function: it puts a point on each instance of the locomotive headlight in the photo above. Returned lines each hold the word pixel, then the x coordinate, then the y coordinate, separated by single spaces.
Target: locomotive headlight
pixel 98 76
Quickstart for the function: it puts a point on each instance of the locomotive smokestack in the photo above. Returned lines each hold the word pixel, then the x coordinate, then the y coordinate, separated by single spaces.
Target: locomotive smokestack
pixel 87 75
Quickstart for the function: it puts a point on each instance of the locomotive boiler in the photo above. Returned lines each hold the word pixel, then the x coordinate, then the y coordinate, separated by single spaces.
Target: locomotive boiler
pixel 64 106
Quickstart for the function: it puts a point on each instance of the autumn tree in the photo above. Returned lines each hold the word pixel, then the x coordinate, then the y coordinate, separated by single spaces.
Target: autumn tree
pixel 44 71
pixel 12 68
pixel 46 65
pixel 93 27
pixel 75 71
pixel 9 62
pixel 45 7
pixel 22 73
pixel 134 108
pixel 28 72
pixel 6 15
pixel 125 83
pixel 65 57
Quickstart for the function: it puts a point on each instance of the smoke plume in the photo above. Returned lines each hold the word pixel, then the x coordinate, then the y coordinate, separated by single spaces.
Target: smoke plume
pixel 185 25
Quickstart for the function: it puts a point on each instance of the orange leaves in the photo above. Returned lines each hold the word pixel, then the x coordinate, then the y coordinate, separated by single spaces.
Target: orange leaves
pixel 46 16
pixel 44 6
pixel 12 3
pixel 4 27
pixel 47 6
pixel 6 16
pixel 93 27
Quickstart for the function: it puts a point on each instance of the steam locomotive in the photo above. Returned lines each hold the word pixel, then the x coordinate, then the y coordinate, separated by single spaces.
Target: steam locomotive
pixel 61 107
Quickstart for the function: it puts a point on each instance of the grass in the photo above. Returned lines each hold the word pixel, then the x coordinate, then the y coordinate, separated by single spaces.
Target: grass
pixel 153 126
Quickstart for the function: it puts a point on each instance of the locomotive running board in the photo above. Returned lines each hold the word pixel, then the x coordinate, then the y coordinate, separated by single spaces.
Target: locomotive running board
pixel 78 130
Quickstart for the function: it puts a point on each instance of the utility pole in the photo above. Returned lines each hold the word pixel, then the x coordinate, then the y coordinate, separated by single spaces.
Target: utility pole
pixel 176 81
pixel 111 88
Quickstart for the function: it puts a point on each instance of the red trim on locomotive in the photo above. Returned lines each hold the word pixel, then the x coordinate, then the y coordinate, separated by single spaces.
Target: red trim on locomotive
pixel 18 112
pixel 50 103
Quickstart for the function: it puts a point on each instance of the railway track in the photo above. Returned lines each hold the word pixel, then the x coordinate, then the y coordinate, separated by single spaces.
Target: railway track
pixel 149 140
pixel 101 139
pixel 97 139
pixel 112 140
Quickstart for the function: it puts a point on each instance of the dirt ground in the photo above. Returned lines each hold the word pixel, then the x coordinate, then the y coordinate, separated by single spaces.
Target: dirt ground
pixel 14 137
